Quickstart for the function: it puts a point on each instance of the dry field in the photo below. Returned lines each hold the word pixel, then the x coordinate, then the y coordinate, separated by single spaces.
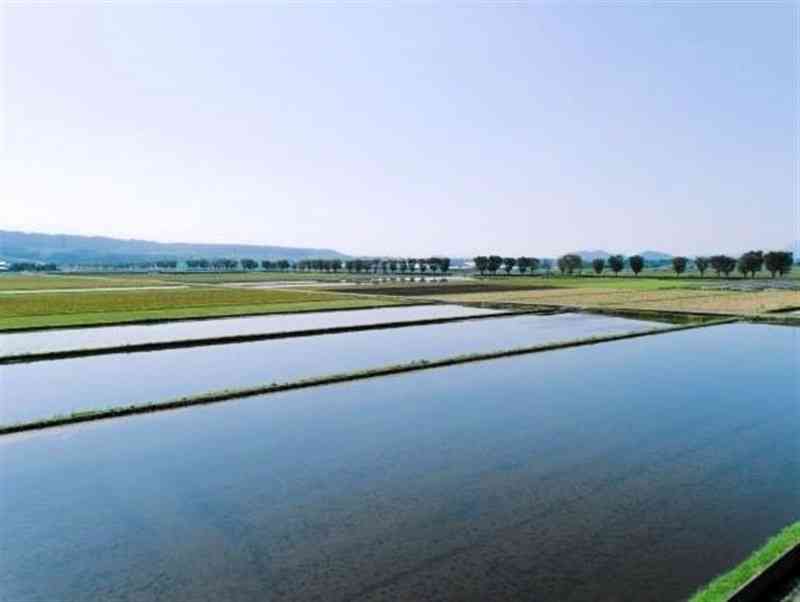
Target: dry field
pixel 745 303
pixel 685 300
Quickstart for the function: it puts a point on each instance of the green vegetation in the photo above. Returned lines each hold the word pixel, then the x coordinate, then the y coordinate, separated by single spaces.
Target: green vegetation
pixel 721 588
pixel 641 283
pixel 248 277
pixel 616 263
pixel 527 263
pixel 666 294
pixel 229 394
pixel 701 265
pixel 31 282
pixel 778 262
pixel 722 264
pixel 636 263
pixel 36 302
pixel 750 263
pixel 679 265
pixel 113 307
pixel 569 264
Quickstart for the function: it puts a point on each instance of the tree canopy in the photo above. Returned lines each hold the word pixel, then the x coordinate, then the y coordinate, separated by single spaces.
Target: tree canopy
pixel 778 262
pixel 637 263
pixel 722 264
pixel 481 263
pixel 701 263
pixel 679 264
pixel 495 261
pixel 750 263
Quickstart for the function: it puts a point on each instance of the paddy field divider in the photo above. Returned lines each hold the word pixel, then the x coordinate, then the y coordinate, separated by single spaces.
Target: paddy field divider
pixel 767 568
pixel 24 358
pixel 413 366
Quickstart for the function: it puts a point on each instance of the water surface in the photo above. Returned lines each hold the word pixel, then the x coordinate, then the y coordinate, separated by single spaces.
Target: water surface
pixel 627 471
pixel 108 336
pixel 43 389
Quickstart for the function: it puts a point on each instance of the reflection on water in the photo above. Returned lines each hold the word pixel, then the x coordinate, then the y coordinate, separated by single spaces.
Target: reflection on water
pixel 108 336
pixel 43 389
pixel 634 470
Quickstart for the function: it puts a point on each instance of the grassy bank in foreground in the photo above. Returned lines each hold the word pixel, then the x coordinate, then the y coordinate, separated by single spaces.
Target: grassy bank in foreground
pixel 721 588
pixel 229 394
pixel 43 310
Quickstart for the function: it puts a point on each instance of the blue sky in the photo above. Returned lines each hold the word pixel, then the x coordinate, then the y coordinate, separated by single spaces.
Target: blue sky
pixel 405 128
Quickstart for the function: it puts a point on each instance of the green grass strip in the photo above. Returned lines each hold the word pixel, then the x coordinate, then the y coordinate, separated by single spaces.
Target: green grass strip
pixel 228 394
pixel 724 586
pixel 776 319
pixel 189 314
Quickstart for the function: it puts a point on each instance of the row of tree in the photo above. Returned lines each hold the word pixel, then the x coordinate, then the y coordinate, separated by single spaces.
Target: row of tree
pixel 750 263
pixel 374 265
pixel 25 266
pixel 492 263
pixel 403 266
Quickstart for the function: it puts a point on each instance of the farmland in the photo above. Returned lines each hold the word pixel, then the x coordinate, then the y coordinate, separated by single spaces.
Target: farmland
pixel 383 302
pixel 652 294
pixel 33 282
pixel 687 300
pixel 423 376
pixel 412 473
pixel 251 277
pixel 113 307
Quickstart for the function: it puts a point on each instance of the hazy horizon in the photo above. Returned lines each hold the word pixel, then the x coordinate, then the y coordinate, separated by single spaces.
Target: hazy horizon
pixel 405 130
pixel 792 245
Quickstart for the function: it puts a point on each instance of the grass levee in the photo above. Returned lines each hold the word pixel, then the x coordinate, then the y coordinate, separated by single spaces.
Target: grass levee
pixel 724 586
pixel 422 364
pixel 243 338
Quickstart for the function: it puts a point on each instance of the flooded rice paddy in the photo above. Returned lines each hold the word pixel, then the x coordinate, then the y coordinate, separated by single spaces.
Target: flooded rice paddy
pixel 44 389
pixel 107 336
pixel 627 471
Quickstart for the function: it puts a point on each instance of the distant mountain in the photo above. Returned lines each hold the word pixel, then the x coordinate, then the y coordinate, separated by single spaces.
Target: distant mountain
pixel 71 249
pixel 655 255
pixel 588 256
pixel 592 255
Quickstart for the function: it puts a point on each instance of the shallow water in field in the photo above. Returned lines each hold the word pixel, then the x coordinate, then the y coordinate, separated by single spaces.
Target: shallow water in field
pixel 107 336
pixel 43 389
pixel 627 471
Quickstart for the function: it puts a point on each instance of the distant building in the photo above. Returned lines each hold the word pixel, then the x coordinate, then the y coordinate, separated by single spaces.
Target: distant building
pixel 4 266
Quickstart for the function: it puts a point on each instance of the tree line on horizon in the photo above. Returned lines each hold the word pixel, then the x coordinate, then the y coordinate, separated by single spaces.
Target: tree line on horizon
pixel 408 265
pixel 370 265
pixel 749 263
